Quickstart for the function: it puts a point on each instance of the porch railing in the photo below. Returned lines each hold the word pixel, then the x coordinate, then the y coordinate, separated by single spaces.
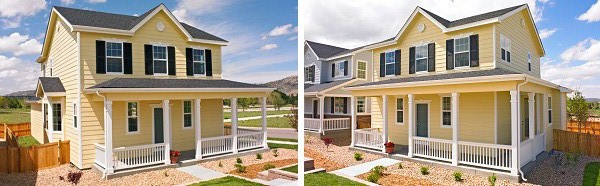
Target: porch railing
pixel 369 138
pixel 250 140
pixel 432 148
pixel 485 155
pixel 100 152
pixel 138 156
pixel 336 123
pixel 312 124
pixel 217 145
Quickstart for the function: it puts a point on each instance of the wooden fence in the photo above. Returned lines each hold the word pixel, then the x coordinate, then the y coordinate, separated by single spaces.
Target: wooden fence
pixel 574 142
pixel 10 137
pixel 24 159
pixel 21 129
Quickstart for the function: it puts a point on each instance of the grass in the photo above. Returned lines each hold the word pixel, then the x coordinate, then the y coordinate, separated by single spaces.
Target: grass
pixel 27 141
pixel 283 139
pixel 284 146
pixel 292 169
pixel 591 174
pixel 227 181
pixel 12 116
pixel 276 122
pixel 318 179
pixel 243 114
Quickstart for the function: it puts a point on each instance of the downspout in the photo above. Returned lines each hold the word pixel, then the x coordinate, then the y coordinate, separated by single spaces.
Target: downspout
pixel 519 129
pixel 105 172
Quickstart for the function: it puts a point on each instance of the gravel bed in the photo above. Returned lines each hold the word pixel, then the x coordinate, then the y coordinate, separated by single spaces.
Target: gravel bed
pixel 253 170
pixel 228 165
pixel 339 154
pixel 321 161
pixel 550 173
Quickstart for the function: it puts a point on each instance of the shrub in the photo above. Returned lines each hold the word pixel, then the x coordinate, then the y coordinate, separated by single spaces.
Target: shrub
pixel 373 178
pixel 238 160
pixel 72 177
pixel 275 153
pixel 259 156
pixel 400 165
pixel 492 179
pixel 357 156
pixel 220 164
pixel 268 166
pixel 166 173
pixel 240 168
pixel 424 170
pixel 378 170
pixel 327 142
pixel 457 176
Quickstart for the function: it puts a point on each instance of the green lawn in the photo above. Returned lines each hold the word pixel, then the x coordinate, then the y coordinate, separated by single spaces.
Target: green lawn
pixel 283 139
pixel 318 179
pixel 27 141
pixel 284 146
pixel 276 122
pixel 241 114
pixel 11 116
pixel 293 169
pixel 591 175
pixel 227 181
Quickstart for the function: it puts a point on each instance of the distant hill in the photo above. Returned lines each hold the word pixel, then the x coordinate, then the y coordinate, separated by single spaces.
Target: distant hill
pixel 26 93
pixel 288 85
pixel 592 99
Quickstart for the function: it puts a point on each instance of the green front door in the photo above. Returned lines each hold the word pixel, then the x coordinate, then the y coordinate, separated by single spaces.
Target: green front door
pixel 422 120
pixel 158 126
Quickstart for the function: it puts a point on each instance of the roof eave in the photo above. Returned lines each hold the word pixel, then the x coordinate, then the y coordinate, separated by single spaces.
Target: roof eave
pixel 494 78
pixel 137 90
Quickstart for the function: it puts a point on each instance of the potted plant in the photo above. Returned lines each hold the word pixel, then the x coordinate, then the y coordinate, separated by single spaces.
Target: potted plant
pixel 389 147
pixel 174 156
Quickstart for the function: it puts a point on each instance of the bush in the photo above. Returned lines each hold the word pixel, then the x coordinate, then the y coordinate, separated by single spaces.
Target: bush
pixel 357 156
pixel 457 176
pixel 220 164
pixel 259 156
pixel 424 170
pixel 275 153
pixel 268 166
pixel 238 160
pixel 240 168
pixel 400 165
pixel 378 170
pixel 373 178
pixel 72 177
pixel 492 179
pixel 327 142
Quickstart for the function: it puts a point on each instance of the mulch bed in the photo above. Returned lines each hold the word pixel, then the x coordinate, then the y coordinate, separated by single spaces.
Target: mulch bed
pixel 253 170
pixel 321 161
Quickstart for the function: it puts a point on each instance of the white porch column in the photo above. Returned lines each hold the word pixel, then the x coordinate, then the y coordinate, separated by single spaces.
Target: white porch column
pixel 264 121
pixel 107 136
pixel 514 130
pixel 50 122
pixel 385 120
pixel 198 129
pixel 234 124
pixel 167 130
pixel 532 122
pixel 411 120
pixel 353 119
pixel 322 113
pixel 454 122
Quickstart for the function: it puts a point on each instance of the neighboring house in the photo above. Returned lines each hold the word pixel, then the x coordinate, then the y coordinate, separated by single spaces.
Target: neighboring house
pixel 125 90
pixel 327 70
pixel 465 93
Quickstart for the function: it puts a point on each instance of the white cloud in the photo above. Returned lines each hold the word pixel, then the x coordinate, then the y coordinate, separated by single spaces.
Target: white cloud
pixel 259 62
pixel 12 12
pixel 188 10
pixel 259 77
pixel 18 44
pixel 586 50
pixel 545 33
pixel 268 46
pixel 96 1
pixel 17 74
pixel 292 38
pixel 543 1
pixel 67 2
pixel 592 15
pixel 281 30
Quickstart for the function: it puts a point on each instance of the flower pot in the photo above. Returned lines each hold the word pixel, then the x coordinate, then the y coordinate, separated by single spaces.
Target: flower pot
pixel 174 160
pixel 389 150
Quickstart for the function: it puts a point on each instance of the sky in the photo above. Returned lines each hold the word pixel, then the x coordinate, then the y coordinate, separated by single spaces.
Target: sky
pixel 570 30
pixel 262 34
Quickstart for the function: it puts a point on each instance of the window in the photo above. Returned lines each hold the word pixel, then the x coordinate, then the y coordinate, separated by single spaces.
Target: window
pixel 309 73
pixel 529 60
pixel 199 62
pixel 362 70
pixel 446 112
pixel 74 115
pixel 505 48
pixel 390 63
pixel 56 117
pixel 114 57
pixel 160 59
pixel 360 104
pixel 132 117
pixel 399 110
pixel 45 116
pixel 421 58
pixel 339 69
pixel 461 52
pixel 338 105
pixel 187 114
pixel 550 110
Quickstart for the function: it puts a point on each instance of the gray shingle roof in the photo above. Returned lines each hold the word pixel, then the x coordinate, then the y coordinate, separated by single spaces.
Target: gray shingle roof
pixel 51 84
pixel 172 83
pixel 323 50
pixel 472 19
pixel 120 21
pixel 325 86
pixel 469 74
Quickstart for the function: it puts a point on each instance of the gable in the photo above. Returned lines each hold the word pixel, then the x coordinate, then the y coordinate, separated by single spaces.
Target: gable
pixel 514 21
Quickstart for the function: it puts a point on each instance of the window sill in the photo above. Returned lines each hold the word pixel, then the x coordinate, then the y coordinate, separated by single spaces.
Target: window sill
pixel 199 75
pixel 446 126
pixel 133 133
pixel 421 72
pixel 390 75
pixel 57 132
pixel 115 73
pixel 187 128
pixel 400 123
pixel 462 68
pixel 161 74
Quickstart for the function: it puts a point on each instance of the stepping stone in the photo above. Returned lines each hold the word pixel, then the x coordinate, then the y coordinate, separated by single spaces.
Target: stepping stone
pixel 201 173
pixel 366 167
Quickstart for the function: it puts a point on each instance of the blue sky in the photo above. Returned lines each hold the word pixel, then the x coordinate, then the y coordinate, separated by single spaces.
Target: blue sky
pixel 262 34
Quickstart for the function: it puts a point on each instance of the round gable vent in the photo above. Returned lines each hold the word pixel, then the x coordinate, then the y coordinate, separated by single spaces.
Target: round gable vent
pixel 421 27
pixel 160 26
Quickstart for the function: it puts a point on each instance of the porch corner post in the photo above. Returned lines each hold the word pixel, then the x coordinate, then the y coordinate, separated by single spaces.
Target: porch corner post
pixel 455 152
pixel 322 113
pixel 385 120
pixel 353 122
pixel 532 122
pixel 108 137
pixel 167 130
pixel 411 120
pixel 514 126
pixel 264 121
pixel 50 118
pixel 234 124
pixel 198 128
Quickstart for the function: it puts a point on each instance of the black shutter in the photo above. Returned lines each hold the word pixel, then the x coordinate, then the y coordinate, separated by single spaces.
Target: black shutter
pixel 171 60
pixel 312 70
pixel 449 54
pixel 332 104
pixel 127 58
pixel 431 57
pixel 345 105
pixel 382 65
pixel 345 68
pixel 411 60
pixel 189 62
pixel 508 56
pixel 208 56
pixel 474 44
pixel 333 70
pixel 100 57
pixel 397 62
pixel 148 59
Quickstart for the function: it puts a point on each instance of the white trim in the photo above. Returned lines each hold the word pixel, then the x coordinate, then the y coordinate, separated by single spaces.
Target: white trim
pixel 468 52
pixel 79 71
pixel 323 92
pixel 426 58
pixel 385 63
pixel 109 90
pixel 549 109
pixel 166 60
pixel 203 61
pixel 137 110
pixel 428 103
pixel 113 57
pixel 507 49
pixel 337 71
pixel 364 104
pixel 366 69
pixel 191 113
pixel 442 112
pixel 52 103
pixel 495 117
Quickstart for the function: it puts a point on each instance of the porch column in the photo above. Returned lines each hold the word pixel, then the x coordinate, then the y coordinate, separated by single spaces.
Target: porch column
pixel 321 113
pixel 198 128
pixel 264 121
pixel 353 122
pixel 514 130
pixel 167 130
pixel 385 120
pixel 107 136
pixel 532 122
pixel 411 120
pixel 234 124
pixel 50 122
pixel 454 122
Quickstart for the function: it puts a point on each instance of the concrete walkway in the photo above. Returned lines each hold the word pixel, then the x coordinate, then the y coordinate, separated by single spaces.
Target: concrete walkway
pixel 365 167
pixel 201 172
pixel 257 117
pixel 282 142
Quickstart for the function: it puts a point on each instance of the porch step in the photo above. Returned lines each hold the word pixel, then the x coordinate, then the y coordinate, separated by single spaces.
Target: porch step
pixel 366 167
pixel 201 172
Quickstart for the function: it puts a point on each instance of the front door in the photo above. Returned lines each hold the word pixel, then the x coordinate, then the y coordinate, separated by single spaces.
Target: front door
pixel 315 108
pixel 422 120
pixel 158 126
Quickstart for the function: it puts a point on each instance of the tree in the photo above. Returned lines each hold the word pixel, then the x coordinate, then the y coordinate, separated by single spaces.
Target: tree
pixel 276 99
pixel 578 107
pixel 244 103
pixel 293 119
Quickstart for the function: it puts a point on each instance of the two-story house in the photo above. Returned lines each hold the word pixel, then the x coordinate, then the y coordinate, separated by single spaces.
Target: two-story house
pixel 126 90
pixel 465 93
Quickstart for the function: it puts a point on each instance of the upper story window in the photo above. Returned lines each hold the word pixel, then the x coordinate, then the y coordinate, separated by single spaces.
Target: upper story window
pixel 505 48
pixel 159 60
pixel 199 62
pixel 114 57
pixel 529 61
pixel 446 111
pixel 421 58
pixel 362 70
pixel 187 114
pixel 132 118
pixel 56 117
pixel 461 52
pixel 309 73
pixel 339 69
pixel 360 104
pixel 390 61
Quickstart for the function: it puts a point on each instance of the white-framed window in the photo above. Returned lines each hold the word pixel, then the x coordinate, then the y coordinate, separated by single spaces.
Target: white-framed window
pixel 187 115
pixel 133 123
pixel 159 54
pixel 114 57
pixel 199 62
pixel 549 110
pixel 338 105
pixel 75 119
pixel 529 61
pixel 360 105
pixel 57 117
pixel 390 63
pixel 421 58
pixel 505 48
pixel 446 111
pixel 361 70
pixel 461 52
pixel 309 74
pixel 339 69
pixel 400 110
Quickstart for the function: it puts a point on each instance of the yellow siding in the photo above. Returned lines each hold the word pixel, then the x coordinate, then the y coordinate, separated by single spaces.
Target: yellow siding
pixel 211 117
pixel 503 118
pixel 523 40
pixel 37 123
